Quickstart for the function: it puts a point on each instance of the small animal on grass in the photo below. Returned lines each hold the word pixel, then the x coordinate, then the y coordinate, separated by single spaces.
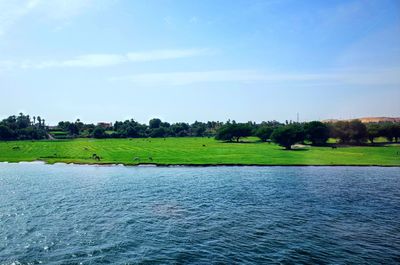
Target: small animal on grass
pixel 334 147
pixel 96 157
pixel 16 148
pixel 204 145
pixel 150 158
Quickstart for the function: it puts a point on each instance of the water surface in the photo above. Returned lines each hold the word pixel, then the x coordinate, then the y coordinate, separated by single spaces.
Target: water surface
pixel 74 214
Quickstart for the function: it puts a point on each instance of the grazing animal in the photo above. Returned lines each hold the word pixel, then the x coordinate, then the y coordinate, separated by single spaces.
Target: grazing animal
pixel 96 157
pixel 204 145
pixel 16 148
pixel 150 158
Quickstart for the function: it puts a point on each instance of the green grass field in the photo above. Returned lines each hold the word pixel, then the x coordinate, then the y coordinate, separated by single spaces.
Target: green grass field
pixel 194 151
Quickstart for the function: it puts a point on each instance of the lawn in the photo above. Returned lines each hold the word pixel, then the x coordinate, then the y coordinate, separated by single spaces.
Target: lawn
pixel 195 151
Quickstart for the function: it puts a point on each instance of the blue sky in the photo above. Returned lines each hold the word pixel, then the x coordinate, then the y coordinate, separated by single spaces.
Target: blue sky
pixel 199 60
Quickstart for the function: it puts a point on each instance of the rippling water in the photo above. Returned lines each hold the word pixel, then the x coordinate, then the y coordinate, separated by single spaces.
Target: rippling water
pixel 70 214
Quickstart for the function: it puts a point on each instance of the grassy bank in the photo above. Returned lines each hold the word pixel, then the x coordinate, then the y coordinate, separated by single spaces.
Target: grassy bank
pixel 196 151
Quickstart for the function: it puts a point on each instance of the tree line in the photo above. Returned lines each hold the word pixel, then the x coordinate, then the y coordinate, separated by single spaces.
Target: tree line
pixel 23 127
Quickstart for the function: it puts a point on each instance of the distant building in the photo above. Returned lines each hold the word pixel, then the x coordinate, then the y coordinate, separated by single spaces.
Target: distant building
pixel 104 125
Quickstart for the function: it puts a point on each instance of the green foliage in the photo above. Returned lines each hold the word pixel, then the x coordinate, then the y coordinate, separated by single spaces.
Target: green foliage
pixel 288 135
pixel 349 131
pixel 264 132
pixel 390 131
pixel 154 123
pixel 99 132
pixel 158 132
pixel 316 132
pixel 374 131
pixel 5 133
pixel 233 131
pixel 22 128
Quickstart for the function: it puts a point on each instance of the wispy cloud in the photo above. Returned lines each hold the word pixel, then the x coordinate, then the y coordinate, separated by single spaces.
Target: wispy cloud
pixel 101 60
pixel 353 77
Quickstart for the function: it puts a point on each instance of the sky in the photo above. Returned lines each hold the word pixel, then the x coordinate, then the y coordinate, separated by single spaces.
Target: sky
pixel 100 60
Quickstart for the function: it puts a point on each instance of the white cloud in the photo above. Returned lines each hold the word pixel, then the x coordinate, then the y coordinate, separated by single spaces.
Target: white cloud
pixel 353 77
pixel 101 60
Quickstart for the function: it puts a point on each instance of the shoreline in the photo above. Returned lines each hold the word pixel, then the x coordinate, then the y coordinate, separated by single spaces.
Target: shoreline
pixel 106 164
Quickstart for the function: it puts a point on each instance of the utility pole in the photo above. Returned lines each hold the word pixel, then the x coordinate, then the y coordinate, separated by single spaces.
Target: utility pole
pixel 297 117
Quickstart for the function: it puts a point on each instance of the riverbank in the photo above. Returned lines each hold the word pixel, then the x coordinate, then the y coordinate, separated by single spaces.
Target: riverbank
pixel 193 152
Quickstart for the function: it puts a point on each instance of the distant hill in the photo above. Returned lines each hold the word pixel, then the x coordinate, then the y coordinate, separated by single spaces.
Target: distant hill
pixel 369 119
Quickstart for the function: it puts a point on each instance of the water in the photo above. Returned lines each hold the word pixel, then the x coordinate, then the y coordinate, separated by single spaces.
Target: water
pixel 70 214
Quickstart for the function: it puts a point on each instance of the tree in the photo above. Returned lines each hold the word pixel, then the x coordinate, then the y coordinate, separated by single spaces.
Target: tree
pixel 349 131
pixel 131 131
pixel 316 132
pixel 288 135
pixel 264 132
pixel 158 133
pixel 339 130
pixel 73 129
pixel 390 131
pixel 358 131
pixel 233 131
pixel 396 131
pixel 99 132
pixel 373 131
pixel 5 133
pixel 154 123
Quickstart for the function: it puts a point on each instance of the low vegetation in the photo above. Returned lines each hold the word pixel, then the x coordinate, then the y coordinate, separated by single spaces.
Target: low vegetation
pixel 193 151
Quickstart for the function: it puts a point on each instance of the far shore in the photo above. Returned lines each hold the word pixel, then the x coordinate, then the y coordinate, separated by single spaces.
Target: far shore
pixel 193 152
